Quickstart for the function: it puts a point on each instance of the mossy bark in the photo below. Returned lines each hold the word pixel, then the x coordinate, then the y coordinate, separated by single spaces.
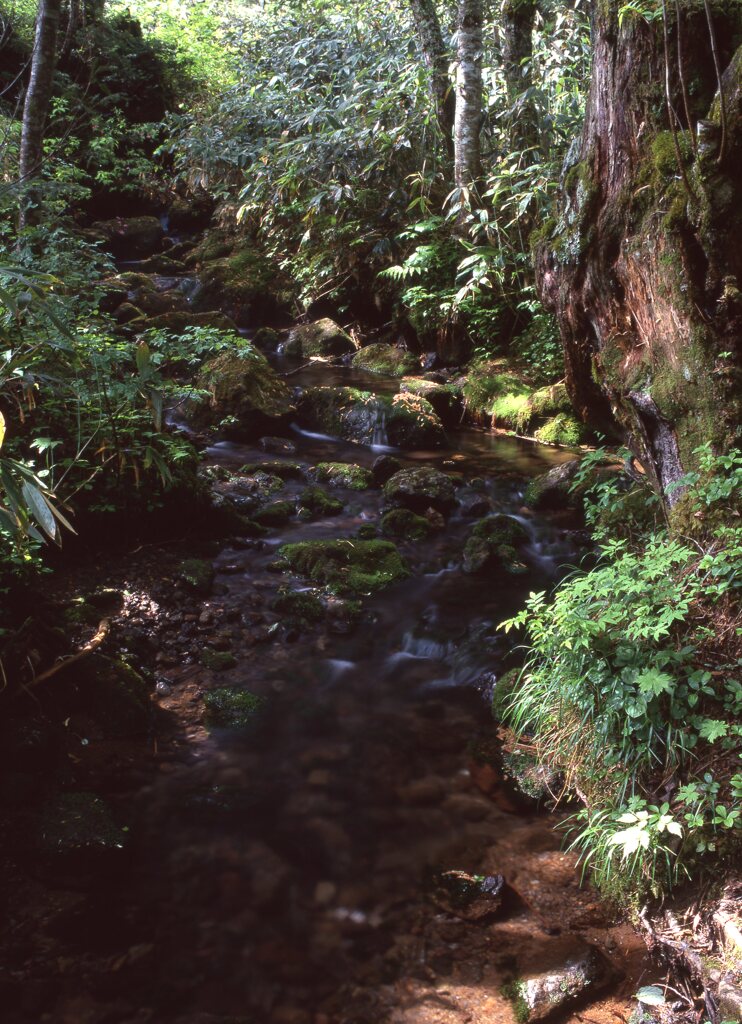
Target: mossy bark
pixel 644 265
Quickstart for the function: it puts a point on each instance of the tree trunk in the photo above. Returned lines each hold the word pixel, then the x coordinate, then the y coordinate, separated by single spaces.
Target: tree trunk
pixel 516 27
pixel 468 120
pixel 643 267
pixel 436 57
pixel 73 20
pixel 38 98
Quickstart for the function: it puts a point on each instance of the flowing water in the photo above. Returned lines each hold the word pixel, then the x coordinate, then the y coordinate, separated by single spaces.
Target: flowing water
pixel 286 873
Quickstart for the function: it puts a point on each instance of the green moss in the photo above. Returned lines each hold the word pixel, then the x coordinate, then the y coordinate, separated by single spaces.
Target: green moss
pixel 419 488
pixel 344 474
pixel 230 708
pixel 345 566
pixel 197 574
pixel 366 531
pixel 493 390
pixel 511 411
pixel 217 661
pixel 664 156
pixel 550 400
pixel 321 338
pixel 505 688
pixel 495 539
pixel 277 513
pixel 79 612
pixel 314 502
pixel 387 360
pixel 244 386
pixel 515 993
pixel 561 429
pixel 404 420
pixel 304 605
pixel 404 524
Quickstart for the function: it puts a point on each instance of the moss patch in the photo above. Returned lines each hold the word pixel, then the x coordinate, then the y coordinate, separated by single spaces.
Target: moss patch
pixel 346 566
pixel 561 429
pixel 315 503
pixel 420 488
pixel 277 513
pixel 386 359
pixel 230 708
pixel 217 661
pixel 407 421
pixel 302 605
pixel 321 338
pixel 405 525
pixel 284 470
pixel 245 389
pixel 344 474
pixel 495 541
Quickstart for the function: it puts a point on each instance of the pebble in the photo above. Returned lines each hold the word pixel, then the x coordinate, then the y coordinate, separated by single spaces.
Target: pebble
pixel 163 689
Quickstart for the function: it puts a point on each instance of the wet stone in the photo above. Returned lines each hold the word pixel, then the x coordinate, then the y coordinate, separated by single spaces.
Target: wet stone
pixel 277 446
pixel 540 995
pixel 469 897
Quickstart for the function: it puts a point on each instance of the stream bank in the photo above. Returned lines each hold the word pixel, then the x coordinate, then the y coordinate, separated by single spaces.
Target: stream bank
pixel 308 819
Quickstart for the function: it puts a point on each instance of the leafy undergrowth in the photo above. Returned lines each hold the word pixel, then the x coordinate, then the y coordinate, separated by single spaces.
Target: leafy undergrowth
pixel 631 690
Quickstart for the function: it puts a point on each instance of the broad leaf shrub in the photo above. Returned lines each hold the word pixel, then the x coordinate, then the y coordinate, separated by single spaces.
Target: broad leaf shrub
pixel 631 688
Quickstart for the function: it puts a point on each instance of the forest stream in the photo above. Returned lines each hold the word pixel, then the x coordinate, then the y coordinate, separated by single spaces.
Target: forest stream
pixel 344 845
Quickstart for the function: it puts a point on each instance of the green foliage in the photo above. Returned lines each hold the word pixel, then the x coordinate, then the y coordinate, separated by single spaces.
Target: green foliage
pixel 623 692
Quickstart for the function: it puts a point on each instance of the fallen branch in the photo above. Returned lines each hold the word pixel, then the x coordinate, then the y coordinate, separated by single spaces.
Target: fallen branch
pixel 92 645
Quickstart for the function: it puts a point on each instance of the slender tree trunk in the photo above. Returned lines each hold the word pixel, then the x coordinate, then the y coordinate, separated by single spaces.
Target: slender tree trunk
pixel 516 26
pixel 643 266
pixel 73 20
pixel 436 57
pixel 468 120
pixel 38 98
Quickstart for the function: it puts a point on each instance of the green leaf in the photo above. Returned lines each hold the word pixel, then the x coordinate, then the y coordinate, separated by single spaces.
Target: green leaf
pixel 40 509
pixel 651 995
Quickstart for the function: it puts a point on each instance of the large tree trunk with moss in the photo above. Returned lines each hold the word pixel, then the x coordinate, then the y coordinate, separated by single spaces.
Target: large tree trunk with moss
pixel 38 98
pixel 436 57
pixel 644 265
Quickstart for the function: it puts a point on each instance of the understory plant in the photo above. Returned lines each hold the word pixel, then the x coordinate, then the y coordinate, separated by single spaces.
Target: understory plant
pixel 631 688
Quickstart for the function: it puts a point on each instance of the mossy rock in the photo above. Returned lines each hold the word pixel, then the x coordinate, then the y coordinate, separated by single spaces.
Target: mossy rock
pixel 553 490
pixel 367 531
pixel 550 401
pixel 277 513
pixel 406 421
pixel 530 777
pixel 321 338
pixel 245 395
pixel 284 470
pixel 78 836
pixel 386 359
pixel 495 542
pixel 114 695
pixel 153 303
pixel 245 284
pixel 161 264
pixel 217 661
pixel 469 897
pixel 177 320
pixel 130 236
pixel 346 566
pixel 420 488
pixel 315 503
pixel 446 399
pixel 231 708
pixel 405 525
pixel 197 574
pixel 493 391
pixel 128 313
pixel 344 474
pixel 300 605
pixel 266 337
pixel 562 429
pixel 134 281
pixel 503 692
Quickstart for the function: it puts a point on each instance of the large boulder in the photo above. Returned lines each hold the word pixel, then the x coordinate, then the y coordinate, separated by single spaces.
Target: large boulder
pixel 404 421
pixel 554 490
pixel 130 236
pixel 495 542
pixel 420 488
pixel 386 359
pixel 245 395
pixel 321 338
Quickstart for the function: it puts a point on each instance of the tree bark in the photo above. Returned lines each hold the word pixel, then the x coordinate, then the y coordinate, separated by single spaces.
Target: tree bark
pixel 468 120
pixel 38 98
pixel 516 27
pixel 73 20
pixel 437 59
pixel 643 266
